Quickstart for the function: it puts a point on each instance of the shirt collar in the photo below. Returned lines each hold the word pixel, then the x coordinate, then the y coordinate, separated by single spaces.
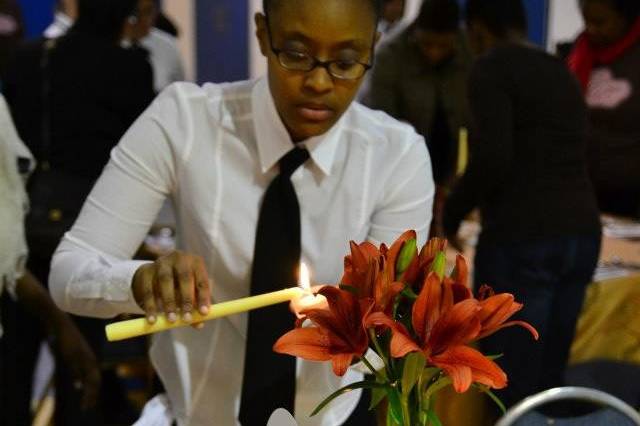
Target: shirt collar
pixel 274 141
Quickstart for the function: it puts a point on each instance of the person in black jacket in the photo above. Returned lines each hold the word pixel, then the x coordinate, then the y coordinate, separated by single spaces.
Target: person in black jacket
pixel 540 235
pixel 72 100
pixel 97 88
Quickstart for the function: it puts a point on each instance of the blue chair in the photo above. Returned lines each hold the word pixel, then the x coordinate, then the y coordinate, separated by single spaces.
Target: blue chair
pixel 610 411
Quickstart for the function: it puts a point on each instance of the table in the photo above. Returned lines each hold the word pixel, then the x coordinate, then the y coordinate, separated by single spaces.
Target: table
pixel 609 326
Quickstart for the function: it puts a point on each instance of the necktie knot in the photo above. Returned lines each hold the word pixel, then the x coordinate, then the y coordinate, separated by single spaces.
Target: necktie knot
pixel 292 160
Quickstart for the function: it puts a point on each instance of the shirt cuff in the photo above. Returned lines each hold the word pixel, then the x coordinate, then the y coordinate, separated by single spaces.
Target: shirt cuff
pixel 121 284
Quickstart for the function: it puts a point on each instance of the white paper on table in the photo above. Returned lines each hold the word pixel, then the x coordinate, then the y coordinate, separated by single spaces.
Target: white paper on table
pixel 616 228
pixel 609 272
pixel 157 412
pixel 281 417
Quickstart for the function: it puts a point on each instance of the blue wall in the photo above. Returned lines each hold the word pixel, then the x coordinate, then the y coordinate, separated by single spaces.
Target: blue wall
pixel 538 15
pixel 222 40
pixel 37 15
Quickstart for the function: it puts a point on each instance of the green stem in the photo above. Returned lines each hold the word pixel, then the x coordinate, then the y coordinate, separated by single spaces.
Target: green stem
pixel 373 370
pixel 376 344
pixel 406 415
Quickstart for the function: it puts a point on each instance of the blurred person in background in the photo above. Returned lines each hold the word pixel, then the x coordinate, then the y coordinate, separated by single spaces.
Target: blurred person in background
pixel 606 61
pixel 65 14
pixel 142 30
pixel 72 100
pixel 164 23
pixel 392 13
pixel 420 77
pixel 540 237
pixel 11 31
pixel 21 292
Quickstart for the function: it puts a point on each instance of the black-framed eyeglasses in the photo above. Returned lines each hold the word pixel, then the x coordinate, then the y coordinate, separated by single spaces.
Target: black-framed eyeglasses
pixel 338 68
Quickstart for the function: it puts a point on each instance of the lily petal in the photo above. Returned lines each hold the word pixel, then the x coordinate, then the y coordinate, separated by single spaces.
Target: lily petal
pixel 426 309
pixel 341 363
pixel 460 293
pixel 310 343
pixel 461 271
pixel 432 247
pixel 401 342
pixel 466 365
pixel 358 265
pixel 524 324
pixel 344 318
pixel 496 310
pixel 457 326
pixel 386 289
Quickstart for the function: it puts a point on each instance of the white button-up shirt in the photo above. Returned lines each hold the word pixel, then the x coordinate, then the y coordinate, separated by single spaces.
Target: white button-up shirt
pixel 213 150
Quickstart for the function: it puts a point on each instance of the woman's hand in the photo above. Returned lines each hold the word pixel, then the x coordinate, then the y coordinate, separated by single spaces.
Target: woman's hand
pixel 174 284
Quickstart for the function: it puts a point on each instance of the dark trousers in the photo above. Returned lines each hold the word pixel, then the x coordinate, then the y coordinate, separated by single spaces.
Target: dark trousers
pixel 550 277
pixel 19 348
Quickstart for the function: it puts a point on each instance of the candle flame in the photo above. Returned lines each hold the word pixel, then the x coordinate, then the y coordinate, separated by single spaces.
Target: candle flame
pixel 304 281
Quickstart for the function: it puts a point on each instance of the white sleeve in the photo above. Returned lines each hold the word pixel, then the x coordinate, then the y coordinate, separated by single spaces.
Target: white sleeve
pixel 91 270
pixel 407 200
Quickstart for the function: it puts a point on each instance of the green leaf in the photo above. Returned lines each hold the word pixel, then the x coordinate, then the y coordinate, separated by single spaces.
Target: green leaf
pixel 413 365
pixel 377 395
pixel 433 418
pixel 366 384
pixel 428 375
pixel 493 396
pixel 439 384
pixel 494 357
pixel 395 405
pixel 408 252
pixel 439 264
pixel 390 420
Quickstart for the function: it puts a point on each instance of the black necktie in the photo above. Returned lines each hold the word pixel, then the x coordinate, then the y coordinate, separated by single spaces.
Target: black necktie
pixel 269 378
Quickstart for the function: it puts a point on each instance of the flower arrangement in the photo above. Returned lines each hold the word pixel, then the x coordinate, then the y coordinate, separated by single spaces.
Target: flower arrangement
pixel 398 303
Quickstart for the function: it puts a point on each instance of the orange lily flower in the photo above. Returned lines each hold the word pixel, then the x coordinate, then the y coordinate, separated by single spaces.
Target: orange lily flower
pixel 372 271
pixel 338 333
pixel 496 309
pixel 443 328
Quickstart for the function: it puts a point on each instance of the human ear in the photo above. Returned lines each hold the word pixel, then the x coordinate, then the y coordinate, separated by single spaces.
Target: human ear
pixel 262 33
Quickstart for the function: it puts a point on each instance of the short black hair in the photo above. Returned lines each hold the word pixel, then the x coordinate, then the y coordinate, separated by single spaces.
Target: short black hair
pixel 269 5
pixel 500 16
pixel 104 18
pixel 440 16
pixel 629 9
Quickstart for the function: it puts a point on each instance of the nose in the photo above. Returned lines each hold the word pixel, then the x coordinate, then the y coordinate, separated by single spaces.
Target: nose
pixel 318 80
